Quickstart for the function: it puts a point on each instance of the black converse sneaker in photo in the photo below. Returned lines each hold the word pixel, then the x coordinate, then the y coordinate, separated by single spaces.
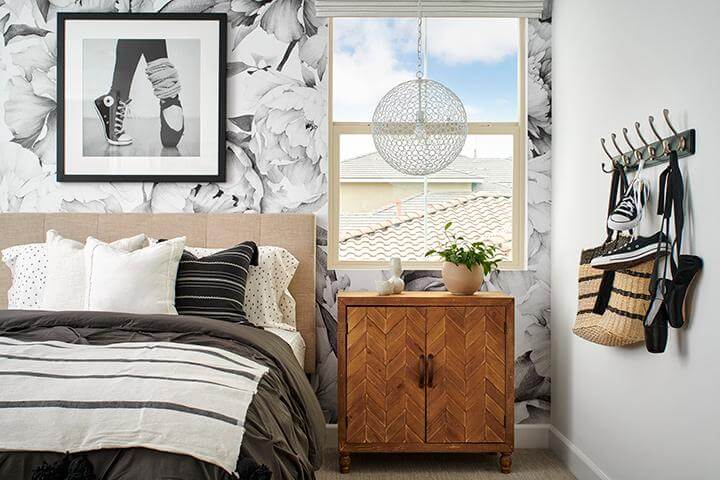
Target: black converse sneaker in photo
pixel 634 253
pixel 629 211
pixel 112 111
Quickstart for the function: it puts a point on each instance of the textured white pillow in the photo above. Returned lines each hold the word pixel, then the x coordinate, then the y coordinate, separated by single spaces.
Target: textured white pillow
pixel 268 302
pixel 65 283
pixel 28 270
pixel 142 281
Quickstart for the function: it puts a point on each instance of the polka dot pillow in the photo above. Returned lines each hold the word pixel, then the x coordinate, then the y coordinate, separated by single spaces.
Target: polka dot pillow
pixel 28 268
pixel 268 302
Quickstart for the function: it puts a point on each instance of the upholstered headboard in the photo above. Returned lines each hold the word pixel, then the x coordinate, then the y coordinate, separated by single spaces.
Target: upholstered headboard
pixel 295 232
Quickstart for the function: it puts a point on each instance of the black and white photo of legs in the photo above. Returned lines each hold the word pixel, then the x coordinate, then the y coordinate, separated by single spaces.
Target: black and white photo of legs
pixel 156 131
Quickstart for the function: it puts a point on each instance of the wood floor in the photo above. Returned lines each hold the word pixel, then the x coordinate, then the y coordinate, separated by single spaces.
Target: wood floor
pixel 146 132
pixel 527 465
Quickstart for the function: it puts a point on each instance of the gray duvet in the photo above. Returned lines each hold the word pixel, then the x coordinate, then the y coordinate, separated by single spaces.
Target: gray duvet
pixel 284 426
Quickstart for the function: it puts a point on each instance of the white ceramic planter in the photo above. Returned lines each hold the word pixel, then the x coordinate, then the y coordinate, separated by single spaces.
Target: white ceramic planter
pixel 461 281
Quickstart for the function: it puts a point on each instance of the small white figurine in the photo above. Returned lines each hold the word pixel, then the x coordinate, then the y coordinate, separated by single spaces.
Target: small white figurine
pixel 396 271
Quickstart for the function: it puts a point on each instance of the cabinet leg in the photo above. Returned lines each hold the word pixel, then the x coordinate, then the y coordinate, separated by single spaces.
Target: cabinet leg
pixel 505 462
pixel 344 462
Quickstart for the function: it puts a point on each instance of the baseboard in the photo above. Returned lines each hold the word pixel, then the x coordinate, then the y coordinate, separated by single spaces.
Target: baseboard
pixel 575 459
pixel 526 436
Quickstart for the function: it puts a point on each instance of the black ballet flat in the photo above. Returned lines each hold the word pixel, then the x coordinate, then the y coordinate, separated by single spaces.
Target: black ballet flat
pixel 656 334
pixel 656 320
pixel 676 290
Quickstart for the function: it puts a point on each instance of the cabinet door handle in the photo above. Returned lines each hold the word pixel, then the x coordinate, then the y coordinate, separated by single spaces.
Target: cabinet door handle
pixel 421 382
pixel 431 370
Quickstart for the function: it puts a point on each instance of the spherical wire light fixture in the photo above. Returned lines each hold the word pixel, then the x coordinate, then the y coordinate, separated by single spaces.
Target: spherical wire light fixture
pixel 420 126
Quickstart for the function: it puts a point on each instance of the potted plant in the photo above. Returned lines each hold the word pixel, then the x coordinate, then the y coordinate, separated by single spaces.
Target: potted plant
pixel 465 263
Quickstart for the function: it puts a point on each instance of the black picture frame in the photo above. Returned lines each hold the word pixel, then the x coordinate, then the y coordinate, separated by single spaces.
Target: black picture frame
pixel 220 18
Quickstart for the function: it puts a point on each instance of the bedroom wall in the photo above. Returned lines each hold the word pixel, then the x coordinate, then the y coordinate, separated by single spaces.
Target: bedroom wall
pixel 255 181
pixel 630 414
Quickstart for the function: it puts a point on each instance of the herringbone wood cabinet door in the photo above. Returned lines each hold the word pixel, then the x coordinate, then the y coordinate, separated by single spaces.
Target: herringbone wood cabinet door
pixel 385 403
pixel 466 402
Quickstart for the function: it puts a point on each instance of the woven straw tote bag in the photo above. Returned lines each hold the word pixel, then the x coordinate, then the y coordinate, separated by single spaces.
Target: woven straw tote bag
pixel 621 322
pixel 617 318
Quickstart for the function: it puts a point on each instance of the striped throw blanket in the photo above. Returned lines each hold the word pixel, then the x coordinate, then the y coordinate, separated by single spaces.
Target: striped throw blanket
pixel 173 397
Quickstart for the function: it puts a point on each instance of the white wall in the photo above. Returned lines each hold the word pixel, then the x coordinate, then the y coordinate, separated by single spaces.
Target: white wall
pixel 636 415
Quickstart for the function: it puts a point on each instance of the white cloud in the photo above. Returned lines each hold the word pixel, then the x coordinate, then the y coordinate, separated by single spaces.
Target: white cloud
pixel 373 55
pixel 454 41
pixel 365 67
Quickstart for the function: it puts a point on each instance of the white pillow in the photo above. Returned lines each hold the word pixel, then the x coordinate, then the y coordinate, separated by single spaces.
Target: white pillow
pixel 65 285
pixel 268 302
pixel 142 281
pixel 28 270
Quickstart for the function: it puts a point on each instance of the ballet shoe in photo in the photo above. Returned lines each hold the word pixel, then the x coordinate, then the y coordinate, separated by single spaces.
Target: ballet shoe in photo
pixel 172 121
pixel 112 112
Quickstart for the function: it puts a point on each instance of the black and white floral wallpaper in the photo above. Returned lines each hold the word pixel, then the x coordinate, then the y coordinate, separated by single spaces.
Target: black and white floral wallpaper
pixel 277 155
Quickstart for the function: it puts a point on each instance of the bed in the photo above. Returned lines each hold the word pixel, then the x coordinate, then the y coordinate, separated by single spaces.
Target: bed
pixel 284 425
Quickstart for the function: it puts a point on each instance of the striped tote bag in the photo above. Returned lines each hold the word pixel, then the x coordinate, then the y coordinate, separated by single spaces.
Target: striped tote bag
pixel 618 319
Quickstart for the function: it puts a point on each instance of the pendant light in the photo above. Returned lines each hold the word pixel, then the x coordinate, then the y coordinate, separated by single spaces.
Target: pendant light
pixel 420 126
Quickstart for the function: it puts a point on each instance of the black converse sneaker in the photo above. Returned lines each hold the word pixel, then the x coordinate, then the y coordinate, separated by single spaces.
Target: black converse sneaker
pixel 112 111
pixel 628 213
pixel 634 253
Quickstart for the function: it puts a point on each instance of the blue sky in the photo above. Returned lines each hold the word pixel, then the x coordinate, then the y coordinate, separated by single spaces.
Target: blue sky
pixel 490 90
pixel 476 58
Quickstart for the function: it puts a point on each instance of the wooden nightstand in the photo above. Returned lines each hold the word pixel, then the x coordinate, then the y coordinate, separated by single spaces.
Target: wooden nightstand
pixel 425 372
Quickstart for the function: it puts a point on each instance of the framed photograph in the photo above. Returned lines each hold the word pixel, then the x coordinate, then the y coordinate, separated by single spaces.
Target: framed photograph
pixel 141 97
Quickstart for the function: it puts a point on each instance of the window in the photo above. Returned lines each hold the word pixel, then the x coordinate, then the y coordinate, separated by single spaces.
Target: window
pixel 376 212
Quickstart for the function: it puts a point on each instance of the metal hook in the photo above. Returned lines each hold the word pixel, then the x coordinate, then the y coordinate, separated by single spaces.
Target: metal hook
pixel 627 138
pixel 606 170
pixel 636 153
pixel 666 147
pixel 666 115
pixel 612 160
pixel 648 147
pixel 625 160
pixel 602 142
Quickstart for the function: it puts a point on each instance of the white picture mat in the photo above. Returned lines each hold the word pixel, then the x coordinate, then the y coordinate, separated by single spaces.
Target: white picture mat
pixel 78 30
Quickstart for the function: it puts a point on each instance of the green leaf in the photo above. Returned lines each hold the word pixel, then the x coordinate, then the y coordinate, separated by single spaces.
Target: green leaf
pixel 460 251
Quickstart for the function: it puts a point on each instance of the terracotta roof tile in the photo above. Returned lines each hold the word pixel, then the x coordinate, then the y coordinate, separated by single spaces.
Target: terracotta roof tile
pixel 479 216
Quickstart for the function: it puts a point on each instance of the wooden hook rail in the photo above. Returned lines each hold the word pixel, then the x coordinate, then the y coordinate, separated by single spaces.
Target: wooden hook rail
pixel 651 154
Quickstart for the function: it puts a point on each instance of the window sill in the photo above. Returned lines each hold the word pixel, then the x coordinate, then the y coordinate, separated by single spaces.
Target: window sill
pixel 414 265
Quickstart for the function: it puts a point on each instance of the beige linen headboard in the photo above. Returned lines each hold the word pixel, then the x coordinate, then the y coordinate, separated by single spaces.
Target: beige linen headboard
pixel 294 232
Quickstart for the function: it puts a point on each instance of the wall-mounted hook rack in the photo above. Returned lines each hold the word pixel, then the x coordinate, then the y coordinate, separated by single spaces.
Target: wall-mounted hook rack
pixel 654 153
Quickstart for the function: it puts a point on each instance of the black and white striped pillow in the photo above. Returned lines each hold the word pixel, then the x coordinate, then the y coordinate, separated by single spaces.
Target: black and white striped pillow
pixel 214 286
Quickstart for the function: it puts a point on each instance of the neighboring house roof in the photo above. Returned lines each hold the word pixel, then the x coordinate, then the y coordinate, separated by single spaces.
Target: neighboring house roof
pixel 381 235
pixel 372 168
pixel 353 223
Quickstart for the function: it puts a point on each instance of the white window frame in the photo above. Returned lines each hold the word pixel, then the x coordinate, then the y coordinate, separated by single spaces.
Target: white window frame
pixel 517 129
